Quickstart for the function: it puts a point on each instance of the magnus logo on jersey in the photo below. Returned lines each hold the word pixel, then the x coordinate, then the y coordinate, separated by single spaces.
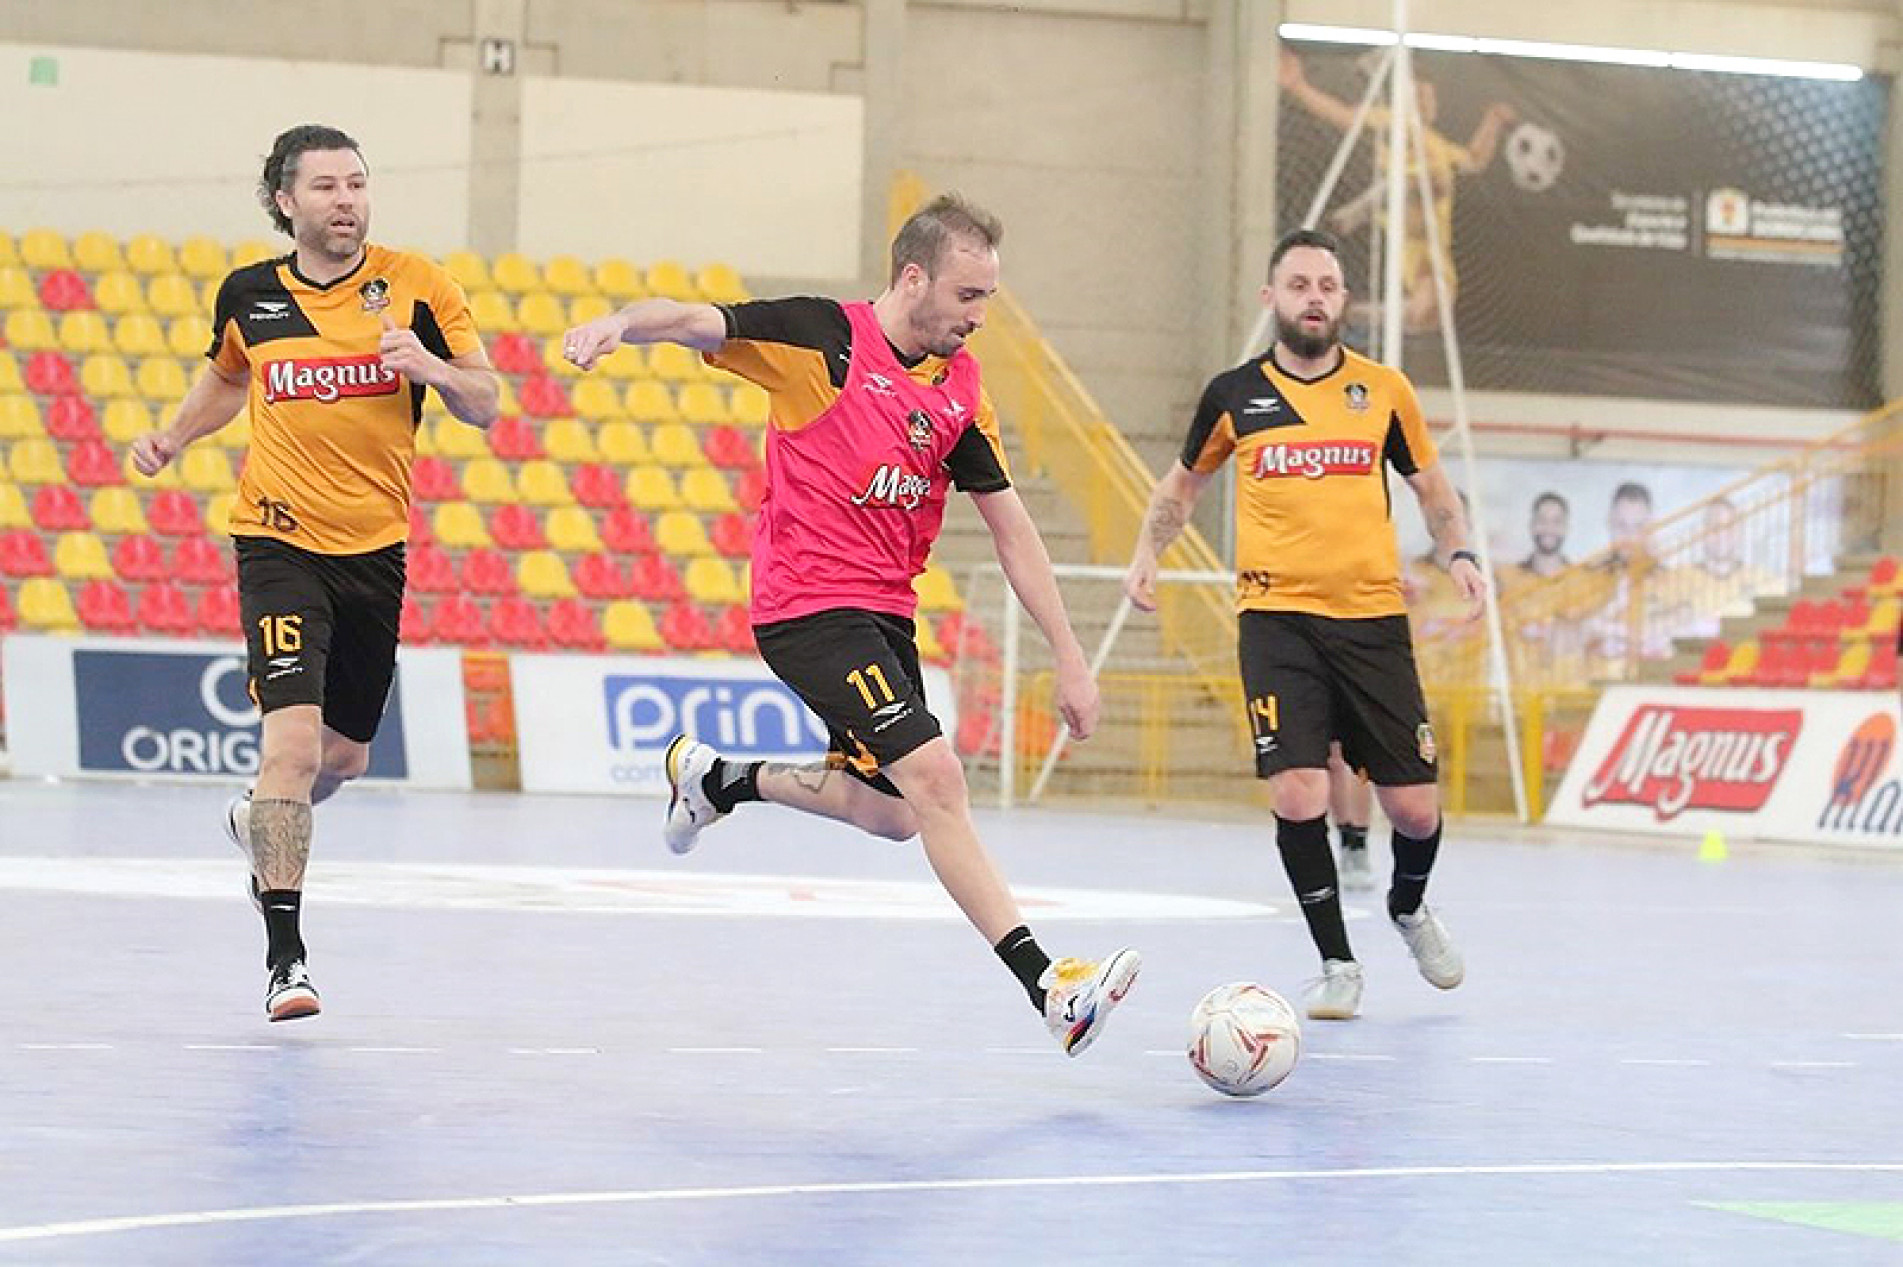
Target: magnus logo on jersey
pixel 1861 798
pixel 744 717
pixel 328 380
pixel 893 487
pixel 1675 759
pixel 1313 461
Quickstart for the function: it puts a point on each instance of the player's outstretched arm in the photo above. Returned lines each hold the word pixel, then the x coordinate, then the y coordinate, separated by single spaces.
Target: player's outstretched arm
pixel 213 401
pixel 1170 507
pixel 698 326
pixel 1447 524
pixel 1027 565
pixel 467 383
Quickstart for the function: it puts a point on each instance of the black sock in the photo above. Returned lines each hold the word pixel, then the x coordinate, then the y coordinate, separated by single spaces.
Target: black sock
pixel 1311 870
pixel 1352 837
pixel 731 783
pixel 1027 962
pixel 280 926
pixel 1413 862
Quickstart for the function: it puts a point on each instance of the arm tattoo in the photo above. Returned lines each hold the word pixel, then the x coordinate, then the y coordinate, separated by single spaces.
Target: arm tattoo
pixel 813 778
pixel 1444 526
pixel 1166 519
pixel 280 843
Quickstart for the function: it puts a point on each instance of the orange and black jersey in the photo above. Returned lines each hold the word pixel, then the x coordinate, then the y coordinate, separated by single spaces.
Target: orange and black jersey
pixel 800 349
pixel 333 432
pixel 1313 514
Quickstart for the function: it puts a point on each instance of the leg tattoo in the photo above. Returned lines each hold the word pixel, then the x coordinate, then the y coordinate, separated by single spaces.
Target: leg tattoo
pixel 280 843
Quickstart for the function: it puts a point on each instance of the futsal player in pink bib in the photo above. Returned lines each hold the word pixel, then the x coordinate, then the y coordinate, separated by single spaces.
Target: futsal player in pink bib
pixel 877 414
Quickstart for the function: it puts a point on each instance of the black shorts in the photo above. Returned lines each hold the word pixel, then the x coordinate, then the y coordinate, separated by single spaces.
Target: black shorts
pixel 1313 679
pixel 859 671
pixel 321 629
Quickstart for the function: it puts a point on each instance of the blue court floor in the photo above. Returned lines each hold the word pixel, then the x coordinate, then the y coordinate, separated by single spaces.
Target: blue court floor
pixel 546 1041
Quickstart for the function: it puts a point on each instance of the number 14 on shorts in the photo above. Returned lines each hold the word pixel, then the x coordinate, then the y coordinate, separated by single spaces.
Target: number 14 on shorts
pixel 1265 718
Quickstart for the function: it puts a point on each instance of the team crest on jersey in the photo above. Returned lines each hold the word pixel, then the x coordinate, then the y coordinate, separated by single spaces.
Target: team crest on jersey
pixel 919 429
pixel 376 294
pixel 1424 742
pixel 1357 394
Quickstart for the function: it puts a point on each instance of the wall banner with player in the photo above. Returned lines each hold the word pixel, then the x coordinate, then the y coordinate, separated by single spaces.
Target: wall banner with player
pixel 602 723
pixel 1614 230
pixel 113 707
pixel 1803 766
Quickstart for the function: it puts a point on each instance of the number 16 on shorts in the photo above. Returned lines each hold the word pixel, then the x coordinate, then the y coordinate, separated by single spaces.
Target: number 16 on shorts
pixel 1265 718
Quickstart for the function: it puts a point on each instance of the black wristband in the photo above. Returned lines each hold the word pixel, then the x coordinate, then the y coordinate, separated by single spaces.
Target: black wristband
pixel 1458 555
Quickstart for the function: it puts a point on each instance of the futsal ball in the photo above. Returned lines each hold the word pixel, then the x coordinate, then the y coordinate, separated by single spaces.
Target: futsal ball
pixel 1243 1039
pixel 1535 157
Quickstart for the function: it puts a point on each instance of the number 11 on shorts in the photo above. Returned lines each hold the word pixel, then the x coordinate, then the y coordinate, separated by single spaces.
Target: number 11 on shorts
pixel 865 679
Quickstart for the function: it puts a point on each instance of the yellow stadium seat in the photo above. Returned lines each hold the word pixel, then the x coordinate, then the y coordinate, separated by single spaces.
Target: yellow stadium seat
pixel 16 288
pixel 619 280
pixel 140 334
pixel 566 275
pixel 668 279
pixel 96 252
pixel 628 625
pixel 585 308
pixel 20 417
pixel 218 508
pixel 125 420
pixel 1852 663
pixel 542 484
pixel 542 574
pixel 493 313
pixel 652 488
pixel 459 441
pixel 568 440
pixel 542 314
pixel 166 478
pixel 459 526
pixel 470 269
pixel 710 579
pixel 929 647
pixel 160 378
pixel 252 250
pixel 623 364
pixel 42 249
pixel 649 400
pixel 13 512
pixel 116 511
pixel 426 441
pixel 623 444
pixel 81 556
pixel 705 489
pixel 236 434
pixel 149 254
pixel 515 274
pixel 721 285
pixel 936 591
pixel 675 363
pixel 680 532
pixel 34 460
pixel 172 295
pixel 104 376
pixel 10 380
pixel 188 336
pixel 596 399
pixel 552 359
pixel 208 297
pixel 572 529
pixel 674 445
pixel 30 330
pixel 9 253
pixel 203 259
pixel 206 470
pixel 1743 662
pixel 487 481
pixel 751 405
pixel 119 292
pixel 82 332
pixel 1885 614
pixel 704 404
pixel 46 606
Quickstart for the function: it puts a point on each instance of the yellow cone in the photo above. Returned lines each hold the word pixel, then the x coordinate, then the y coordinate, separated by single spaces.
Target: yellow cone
pixel 1712 848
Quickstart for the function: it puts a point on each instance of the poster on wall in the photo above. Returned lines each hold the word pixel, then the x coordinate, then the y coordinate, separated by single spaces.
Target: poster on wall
pixel 1614 230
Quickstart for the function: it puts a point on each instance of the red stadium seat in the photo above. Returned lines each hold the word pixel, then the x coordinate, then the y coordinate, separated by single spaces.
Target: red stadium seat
pixel 488 572
pixel 516 622
pixel 163 609
pixel 1882 674
pixel 72 418
pixel 104 608
pixel 515 354
pixel 23 553
pixel 201 561
pixel 432 479
pixel 626 531
pixel 573 625
pixel 732 535
pixel 962 636
pixel 750 489
pixel 63 290
pixel 7 619
pixel 729 449
pixel 430 571
pixel 545 397
pixel 219 612
pixel 420 534
pixel 733 631
pixel 684 627
pixel 57 508
pixel 413 627
pixel 174 513
pixel 517 527
pixel 460 621
pixel 50 374
pixel 653 579
pixel 91 464
pixel 139 558
pixel 599 576
pixel 597 486
pixel 514 440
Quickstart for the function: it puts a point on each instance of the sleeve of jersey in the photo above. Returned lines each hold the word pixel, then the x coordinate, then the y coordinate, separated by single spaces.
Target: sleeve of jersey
pixel 1409 447
pixel 1212 434
pixel 977 462
pixel 450 305
pixel 227 350
pixel 782 343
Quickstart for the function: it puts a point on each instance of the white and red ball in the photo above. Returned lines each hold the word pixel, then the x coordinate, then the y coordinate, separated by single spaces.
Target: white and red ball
pixel 1243 1039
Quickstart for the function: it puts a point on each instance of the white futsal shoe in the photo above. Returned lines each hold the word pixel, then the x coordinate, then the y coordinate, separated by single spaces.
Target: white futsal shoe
pixel 289 995
pixel 1080 994
pixel 1336 994
pixel 689 812
pixel 1356 870
pixel 1433 950
pixel 238 832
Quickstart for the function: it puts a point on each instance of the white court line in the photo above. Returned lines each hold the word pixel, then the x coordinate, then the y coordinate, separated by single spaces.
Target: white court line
pixel 872 1051
pixel 396 1051
pixel 64 1046
pixel 232 1047
pixel 1017 1051
pixel 1349 1055
pixel 1813 1064
pixel 268 1213
pixel 1666 1062
pixel 1511 1060
pixel 554 1051
pixel 716 1051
